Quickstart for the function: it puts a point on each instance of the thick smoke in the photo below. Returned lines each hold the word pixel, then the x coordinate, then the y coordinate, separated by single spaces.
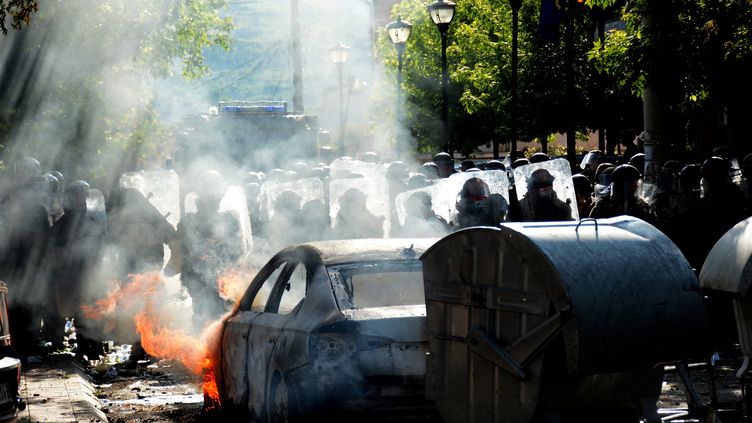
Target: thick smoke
pixel 176 184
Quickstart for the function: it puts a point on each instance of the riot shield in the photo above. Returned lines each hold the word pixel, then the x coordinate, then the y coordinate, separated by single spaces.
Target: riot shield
pixel 346 168
pixel 307 189
pixel 95 207
pixel 348 194
pixel 161 188
pixel 233 202
pixel 444 192
pixel 562 204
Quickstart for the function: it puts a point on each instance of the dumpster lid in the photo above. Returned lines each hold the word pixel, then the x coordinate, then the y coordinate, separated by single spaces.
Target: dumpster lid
pixel 728 266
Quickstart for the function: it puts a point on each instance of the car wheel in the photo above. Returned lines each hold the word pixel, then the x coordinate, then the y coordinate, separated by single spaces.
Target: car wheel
pixel 277 403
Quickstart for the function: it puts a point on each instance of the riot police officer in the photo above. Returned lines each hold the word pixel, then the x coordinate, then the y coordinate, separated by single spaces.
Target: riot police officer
pixel 354 220
pixel 76 240
pixel 623 198
pixel 207 244
pixel 473 206
pixel 445 163
pixel 540 203
pixel 421 220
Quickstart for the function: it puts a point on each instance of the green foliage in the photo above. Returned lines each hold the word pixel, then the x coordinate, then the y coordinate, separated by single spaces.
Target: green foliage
pixel 479 58
pixel 696 54
pixel 19 11
pixel 93 113
pixel 197 26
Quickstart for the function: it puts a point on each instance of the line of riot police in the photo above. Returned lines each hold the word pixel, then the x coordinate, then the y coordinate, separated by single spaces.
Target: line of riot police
pixel 56 237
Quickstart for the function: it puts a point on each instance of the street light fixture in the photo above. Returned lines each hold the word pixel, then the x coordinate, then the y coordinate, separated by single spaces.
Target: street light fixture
pixel 399 32
pixel 442 13
pixel 339 54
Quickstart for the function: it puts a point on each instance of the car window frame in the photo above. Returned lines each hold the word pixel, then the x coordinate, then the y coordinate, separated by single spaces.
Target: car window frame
pixel 246 302
pixel 343 290
pixel 304 255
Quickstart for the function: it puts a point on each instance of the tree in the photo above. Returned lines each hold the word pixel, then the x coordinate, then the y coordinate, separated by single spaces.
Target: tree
pixel 690 61
pixel 78 84
pixel 19 12
pixel 479 57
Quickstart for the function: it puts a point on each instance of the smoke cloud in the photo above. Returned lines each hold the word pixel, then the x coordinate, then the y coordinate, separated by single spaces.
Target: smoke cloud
pixel 90 90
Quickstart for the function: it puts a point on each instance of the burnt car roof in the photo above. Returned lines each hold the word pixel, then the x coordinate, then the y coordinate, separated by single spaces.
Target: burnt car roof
pixel 359 250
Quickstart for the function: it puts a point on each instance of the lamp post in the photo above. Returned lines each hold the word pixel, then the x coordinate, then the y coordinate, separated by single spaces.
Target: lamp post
pixel 442 12
pixel 516 4
pixel 339 54
pixel 399 33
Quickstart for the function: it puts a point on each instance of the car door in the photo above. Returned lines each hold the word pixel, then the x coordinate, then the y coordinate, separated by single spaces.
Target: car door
pixel 235 353
pixel 268 326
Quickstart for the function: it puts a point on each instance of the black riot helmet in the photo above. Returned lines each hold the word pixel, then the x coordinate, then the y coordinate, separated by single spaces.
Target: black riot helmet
pixel 592 159
pixel 520 162
pixel 51 183
pixel 541 178
pixel 473 197
pixel 689 178
pixel 541 182
pixel 430 169
pixel 397 171
pixel 60 178
pixel 638 161
pixel 466 165
pixel 25 169
pixel 445 163
pixel 626 174
pixel 75 195
pixel 716 169
pixel 604 174
pixel 539 157
pixel 442 158
pixel 495 165
pixel 582 184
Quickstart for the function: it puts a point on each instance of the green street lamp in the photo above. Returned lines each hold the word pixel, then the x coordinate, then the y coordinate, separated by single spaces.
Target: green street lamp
pixel 399 32
pixel 442 13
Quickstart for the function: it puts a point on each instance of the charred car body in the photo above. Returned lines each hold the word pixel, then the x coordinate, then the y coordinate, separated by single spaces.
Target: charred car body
pixel 329 327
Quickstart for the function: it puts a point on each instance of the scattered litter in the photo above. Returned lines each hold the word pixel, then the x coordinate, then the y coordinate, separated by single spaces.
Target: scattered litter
pixel 111 372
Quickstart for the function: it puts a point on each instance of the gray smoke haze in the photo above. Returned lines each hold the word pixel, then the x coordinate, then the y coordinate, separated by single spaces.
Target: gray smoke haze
pixel 82 92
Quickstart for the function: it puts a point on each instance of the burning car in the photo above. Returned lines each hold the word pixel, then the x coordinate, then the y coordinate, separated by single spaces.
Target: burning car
pixel 329 327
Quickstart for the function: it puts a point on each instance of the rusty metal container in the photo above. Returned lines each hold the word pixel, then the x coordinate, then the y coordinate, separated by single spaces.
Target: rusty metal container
pixel 559 317
pixel 728 270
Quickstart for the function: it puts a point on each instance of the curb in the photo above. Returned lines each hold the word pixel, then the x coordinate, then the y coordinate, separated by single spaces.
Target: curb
pixel 59 390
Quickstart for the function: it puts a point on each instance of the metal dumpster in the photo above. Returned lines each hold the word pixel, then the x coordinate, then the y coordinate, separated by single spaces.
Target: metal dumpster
pixel 554 319
pixel 728 269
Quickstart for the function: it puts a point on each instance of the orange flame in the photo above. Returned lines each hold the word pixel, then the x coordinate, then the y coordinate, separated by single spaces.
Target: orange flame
pixel 157 328
pixel 232 284
pixel 125 297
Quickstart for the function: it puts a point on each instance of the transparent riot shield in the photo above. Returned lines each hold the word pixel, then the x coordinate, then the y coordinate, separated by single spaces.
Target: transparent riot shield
pixel 308 189
pixel 540 204
pixel 161 188
pixel 346 168
pixel 444 192
pixel 95 207
pixel 347 194
pixel 233 202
